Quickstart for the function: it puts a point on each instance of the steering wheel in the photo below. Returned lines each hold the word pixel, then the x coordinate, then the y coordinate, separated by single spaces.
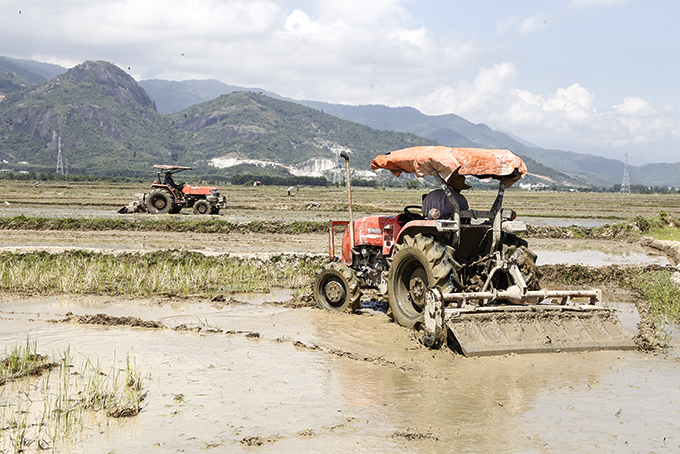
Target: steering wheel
pixel 413 215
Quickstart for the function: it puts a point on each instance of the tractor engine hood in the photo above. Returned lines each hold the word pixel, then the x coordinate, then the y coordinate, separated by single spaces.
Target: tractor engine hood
pixel 499 164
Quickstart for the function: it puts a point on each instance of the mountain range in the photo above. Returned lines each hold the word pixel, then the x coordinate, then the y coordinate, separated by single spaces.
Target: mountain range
pixel 450 129
pixel 107 123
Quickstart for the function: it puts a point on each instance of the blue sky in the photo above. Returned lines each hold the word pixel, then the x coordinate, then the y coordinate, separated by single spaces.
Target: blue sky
pixel 591 76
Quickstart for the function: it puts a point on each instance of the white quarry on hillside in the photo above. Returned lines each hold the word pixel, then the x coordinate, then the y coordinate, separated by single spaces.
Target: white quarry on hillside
pixel 313 167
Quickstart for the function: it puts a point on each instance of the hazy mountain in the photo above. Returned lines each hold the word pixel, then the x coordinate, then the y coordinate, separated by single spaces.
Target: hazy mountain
pixel 96 106
pixel 172 96
pixel 453 130
pixel 450 129
pixel 16 74
pixel 657 174
pixel 247 125
pixel 107 124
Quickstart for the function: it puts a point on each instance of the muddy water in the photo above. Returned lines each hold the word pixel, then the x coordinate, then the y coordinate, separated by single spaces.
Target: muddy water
pixel 185 215
pixel 599 258
pixel 594 252
pixel 566 222
pixel 365 387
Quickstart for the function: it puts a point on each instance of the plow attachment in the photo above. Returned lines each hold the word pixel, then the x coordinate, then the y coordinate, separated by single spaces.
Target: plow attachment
pixel 527 328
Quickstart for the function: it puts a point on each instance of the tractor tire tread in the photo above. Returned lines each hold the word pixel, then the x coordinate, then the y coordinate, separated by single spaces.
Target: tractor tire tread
pixel 350 281
pixel 437 257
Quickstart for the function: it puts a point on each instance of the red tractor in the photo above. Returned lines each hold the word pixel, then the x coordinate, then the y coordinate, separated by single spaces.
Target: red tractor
pixel 169 197
pixel 463 277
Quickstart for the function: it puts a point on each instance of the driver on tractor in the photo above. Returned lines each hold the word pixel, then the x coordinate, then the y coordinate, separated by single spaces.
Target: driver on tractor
pixel 436 204
pixel 170 182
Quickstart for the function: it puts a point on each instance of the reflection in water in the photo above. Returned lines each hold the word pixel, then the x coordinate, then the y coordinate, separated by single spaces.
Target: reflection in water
pixel 598 258
pixel 386 395
pixel 566 222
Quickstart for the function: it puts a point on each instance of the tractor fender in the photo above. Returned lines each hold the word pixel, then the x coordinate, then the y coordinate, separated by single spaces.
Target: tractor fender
pixel 426 227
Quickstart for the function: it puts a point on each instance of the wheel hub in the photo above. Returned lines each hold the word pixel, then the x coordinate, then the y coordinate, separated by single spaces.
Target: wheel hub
pixel 417 287
pixel 335 292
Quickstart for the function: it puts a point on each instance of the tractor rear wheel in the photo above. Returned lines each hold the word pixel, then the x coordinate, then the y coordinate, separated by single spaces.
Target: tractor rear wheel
pixel 160 202
pixel 336 288
pixel 418 263
pixel 202 207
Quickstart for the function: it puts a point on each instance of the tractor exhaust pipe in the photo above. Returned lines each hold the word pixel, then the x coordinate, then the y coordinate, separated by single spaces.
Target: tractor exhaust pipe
pixel 345 156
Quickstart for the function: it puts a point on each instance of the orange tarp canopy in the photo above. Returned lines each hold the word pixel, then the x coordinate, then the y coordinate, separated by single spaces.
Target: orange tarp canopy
pixel 482 163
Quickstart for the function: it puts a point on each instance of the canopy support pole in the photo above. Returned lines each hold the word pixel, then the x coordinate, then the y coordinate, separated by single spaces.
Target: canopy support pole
pixel 455 208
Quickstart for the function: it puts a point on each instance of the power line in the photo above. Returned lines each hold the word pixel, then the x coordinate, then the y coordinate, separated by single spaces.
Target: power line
pixel 625 184
pixel 60 164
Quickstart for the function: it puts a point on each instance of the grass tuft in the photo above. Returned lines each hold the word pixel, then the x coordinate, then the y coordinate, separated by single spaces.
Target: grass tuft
pixel 22 222
pixel 167 272
pixel 71 402
pixel 663 226
pixel 653 283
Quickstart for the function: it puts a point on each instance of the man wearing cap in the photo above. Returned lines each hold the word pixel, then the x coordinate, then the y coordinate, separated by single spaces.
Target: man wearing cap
pixel 436 204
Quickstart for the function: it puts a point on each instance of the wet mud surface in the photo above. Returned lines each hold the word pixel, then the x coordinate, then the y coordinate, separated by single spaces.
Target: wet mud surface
pixel 261 377
pixel 550 251
pixel 261 373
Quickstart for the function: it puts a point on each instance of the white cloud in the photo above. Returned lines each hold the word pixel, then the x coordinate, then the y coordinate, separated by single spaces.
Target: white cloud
pixel 350 51
pixel 299 24
pixel 566 117
pixel 533 24
pixel 635 107
pixel 505 25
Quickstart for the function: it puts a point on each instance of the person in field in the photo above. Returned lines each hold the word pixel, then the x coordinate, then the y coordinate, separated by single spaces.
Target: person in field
pixel 436 204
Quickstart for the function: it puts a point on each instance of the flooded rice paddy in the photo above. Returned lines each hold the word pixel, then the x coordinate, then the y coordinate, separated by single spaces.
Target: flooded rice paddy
pixel 254 377
pixel 247 375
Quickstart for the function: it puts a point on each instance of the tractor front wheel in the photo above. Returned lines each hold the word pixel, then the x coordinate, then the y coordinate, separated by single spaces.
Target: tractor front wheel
pixel 419 262
pixel 160 202
pixel 336 288
pixel 202 207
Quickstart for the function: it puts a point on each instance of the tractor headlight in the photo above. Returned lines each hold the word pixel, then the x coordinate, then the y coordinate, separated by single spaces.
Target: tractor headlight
pixel 508 215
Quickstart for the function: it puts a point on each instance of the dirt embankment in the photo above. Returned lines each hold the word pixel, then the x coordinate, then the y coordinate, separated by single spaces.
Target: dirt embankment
pixel 670 248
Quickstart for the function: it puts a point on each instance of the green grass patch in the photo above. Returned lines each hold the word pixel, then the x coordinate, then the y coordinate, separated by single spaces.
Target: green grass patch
pixel 23 361
pixel 663 296
pixel 167 273
pixel 662 226
pixel 22 222
pixel 652 283
pixel 669 233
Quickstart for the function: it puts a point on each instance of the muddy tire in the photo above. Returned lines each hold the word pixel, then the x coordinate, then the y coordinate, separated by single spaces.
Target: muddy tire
pixel 336 288
pixel 202 207
pixel 418 263
pixel 160 202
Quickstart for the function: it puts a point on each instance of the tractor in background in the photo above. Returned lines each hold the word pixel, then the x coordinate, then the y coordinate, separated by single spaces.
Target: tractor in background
pixel 167 197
